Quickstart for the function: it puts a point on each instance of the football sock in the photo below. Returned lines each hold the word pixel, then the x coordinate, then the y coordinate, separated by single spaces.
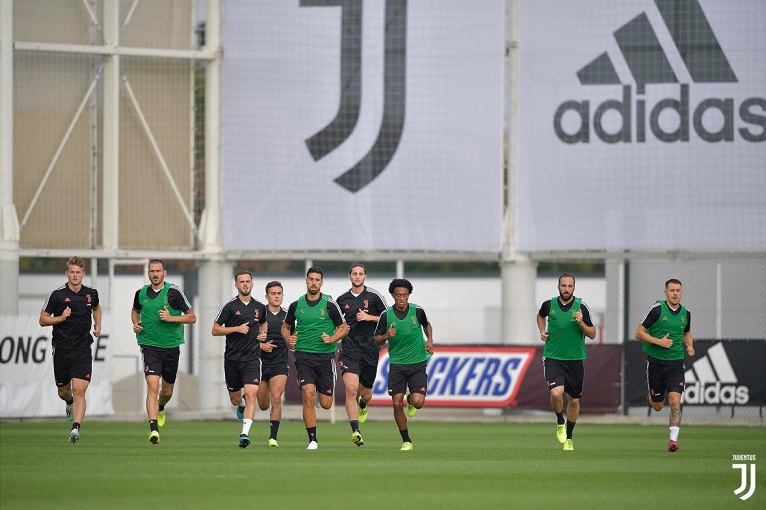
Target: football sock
pixel 409 401
pixel 162 407
pixel 274 426
pixel 570 428
pixel 354 425
pixel 362 403
pixel 69 401
pixel 153 425
pixel 674 433
pixel 560 418
pixel 246 424
pixel 405 435
pixel 76 425
pixel 312 432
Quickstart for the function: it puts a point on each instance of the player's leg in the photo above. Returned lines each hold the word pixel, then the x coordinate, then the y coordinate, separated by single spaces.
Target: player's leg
pixel 655 377
pixel 417 382
pixel 351 382
pixel 366 382
pixel 573 384
pixel 152 393
pixel 325 382
pixel 170 359
pixel 675 384
pixel 306 377
pixel 277 389
pixel 79 387
pixel 397 385
pixel 555 382
pixel 251 390
pixel 233 380
pixel 63 377
pixel 152 406
pixel 264 394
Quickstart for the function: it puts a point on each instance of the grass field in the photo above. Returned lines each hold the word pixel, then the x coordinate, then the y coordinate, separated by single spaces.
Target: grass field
pixel 454 465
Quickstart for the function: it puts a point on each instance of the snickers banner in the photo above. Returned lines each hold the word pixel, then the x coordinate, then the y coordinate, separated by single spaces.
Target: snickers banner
pixel 467 376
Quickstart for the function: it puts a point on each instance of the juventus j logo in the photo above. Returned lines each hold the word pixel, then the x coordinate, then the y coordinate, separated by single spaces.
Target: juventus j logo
pixel 341 127
pixel 743 485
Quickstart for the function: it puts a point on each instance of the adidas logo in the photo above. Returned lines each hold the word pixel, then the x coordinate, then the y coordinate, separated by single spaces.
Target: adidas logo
pixel 639 45
pixel 711 380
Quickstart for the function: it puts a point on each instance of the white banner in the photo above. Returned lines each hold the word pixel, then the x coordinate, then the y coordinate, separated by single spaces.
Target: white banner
pixel 27 386
pixel 363 125
pixel 642 126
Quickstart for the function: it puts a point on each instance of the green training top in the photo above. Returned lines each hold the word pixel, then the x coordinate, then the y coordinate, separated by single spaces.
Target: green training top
pixel 408 346
pixel 311 322
pixel 156 332
pixel 566 340
pixel 673 325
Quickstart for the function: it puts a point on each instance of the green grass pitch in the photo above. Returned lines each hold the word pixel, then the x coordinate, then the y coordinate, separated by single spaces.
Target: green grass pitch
pixel 454 465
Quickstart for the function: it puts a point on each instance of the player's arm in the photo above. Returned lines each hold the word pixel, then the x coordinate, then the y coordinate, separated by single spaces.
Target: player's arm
pixel 541 327
pixel 221 330
pixel 341 326
pixel 187 317
pixel 46 319
pixel 341 330
pixel 541 319
pixel 97 313
pixel 429 332
pixel 135 314
pixel 689 343
pixel 263 326
pixel 643 335
pixel 381 331
pixel 585 322
pixel 688 338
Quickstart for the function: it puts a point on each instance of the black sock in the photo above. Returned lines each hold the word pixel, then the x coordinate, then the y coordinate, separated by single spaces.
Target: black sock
pixel 70 401
pixel 75 425
pixel 409 396
pixel 560 418
pixel 162 407
pixel 570 428
pixel 274 429
pixel 153 425
pixel 312 432
pixel 405 435
pixel 354 425
pixel 362 403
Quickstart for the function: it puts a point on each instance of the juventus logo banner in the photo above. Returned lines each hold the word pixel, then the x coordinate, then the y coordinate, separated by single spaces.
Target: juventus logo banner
pixel 351 125
pixel 644 122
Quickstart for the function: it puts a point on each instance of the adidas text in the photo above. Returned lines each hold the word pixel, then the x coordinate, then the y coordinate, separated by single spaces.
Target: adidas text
pixel 751 113
pixel 715 393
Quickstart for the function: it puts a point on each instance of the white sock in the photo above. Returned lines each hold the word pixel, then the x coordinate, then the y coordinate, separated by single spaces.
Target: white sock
pixel 674 433
pixel 242 405
pixel 246 424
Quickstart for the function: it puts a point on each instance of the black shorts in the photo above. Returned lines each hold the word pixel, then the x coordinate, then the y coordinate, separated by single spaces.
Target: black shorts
pixel 161 361
pixel 664 375
pixel 270 371
pixel 71 364
pixel 317 369
pixel 569 373
pixel 363 364
pixel 413 376
pixel 239 373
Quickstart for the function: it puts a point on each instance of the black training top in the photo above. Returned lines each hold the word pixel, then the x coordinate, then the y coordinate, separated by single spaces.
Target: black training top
pixel 74 332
